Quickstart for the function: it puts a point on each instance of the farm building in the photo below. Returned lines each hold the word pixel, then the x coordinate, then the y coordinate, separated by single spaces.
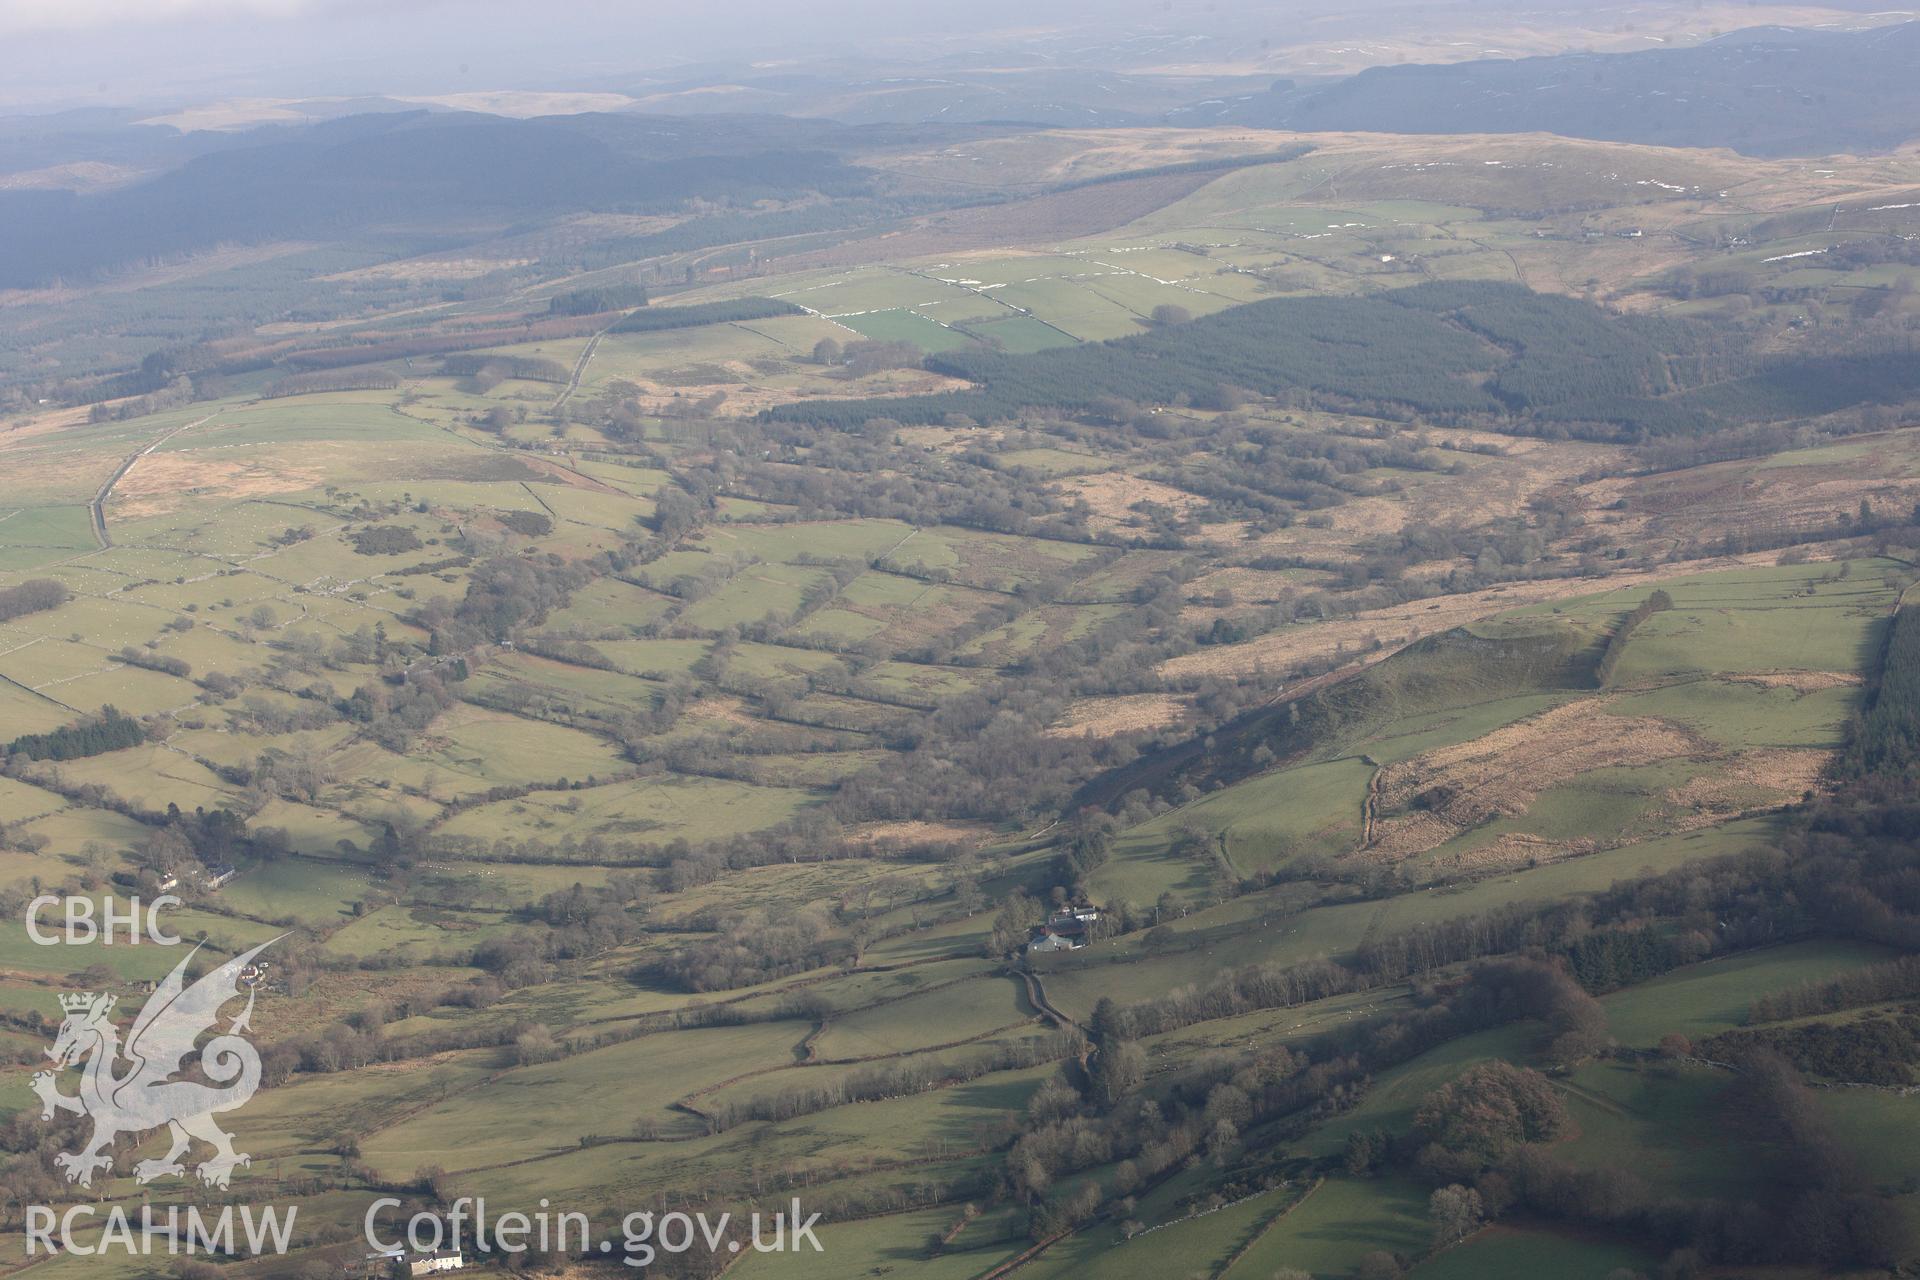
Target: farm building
pixel 1067 929
pixel 1046 939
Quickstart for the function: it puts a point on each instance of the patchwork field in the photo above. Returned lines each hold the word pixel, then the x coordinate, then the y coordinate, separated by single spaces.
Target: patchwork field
pixel 652 790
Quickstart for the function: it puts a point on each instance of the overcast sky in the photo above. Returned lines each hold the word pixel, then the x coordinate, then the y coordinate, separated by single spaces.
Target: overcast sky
pixel 148 52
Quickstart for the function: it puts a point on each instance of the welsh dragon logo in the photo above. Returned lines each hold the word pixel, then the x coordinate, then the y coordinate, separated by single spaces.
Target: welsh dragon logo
pixel 146 1095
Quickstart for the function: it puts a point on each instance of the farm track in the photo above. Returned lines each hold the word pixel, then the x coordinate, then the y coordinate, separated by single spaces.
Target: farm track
pixel 1038 995
pixel 579 371
pixel 97 509
pixel 1370 807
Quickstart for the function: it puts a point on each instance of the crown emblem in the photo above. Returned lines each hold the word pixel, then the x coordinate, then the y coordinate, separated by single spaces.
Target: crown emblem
pixel 163 1044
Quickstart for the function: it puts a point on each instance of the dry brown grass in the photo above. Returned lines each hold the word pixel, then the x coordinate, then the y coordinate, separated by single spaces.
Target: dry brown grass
pixel 747 394
pixel 921 832
pixel 1449 791
pixel 162 482
pixel 723 708
pixel 1397 625
pixel 1111 496
pixel 1799 681
pixel 1515 849
pixel 1707 502
pixel 1752 780
pixel 1110 717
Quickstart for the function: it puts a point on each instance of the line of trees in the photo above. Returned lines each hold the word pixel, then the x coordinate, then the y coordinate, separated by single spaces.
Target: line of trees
pixel 32 596
pixel 1886 740
pixel 1616 645
pixel 349 379
pixel 655 319
pixel 525 368
pixel 93 736
pixel 1425 349
pixel 597 300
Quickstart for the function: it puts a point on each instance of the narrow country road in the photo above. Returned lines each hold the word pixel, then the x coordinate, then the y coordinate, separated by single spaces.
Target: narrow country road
pixel 97 509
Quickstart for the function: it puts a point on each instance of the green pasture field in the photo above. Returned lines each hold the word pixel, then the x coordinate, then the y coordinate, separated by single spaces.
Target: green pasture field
pixel 1267 927
pixel 654 659
pixel 651 810
pixel 874 886
pixel 1200 1244
pixel 195 529
pixel 797 1077
pixel 31 712
pixel 1879 1133
pixel 1016 334
pixel 152 777
pixel 866 288
pixel 1746 716
pixel 1703 999
pixel 32 537
pixel 313 830
pixel 756 592
pixel 1038 630
pixel 602 1092
pixel 907 326
pixel 1054 462
pixel 993 561
pixel 856 989
pixel 1339 1222
pixel 615 512
pixel 660 573
pixel 1140 293
pixel 20 802
pixel 781 662
pixel 919 682
pixel 497 747
pixel 649 356
pixel 639 481
pixel 1269 1027
pixel 883 1246
pixel 1397 1092
pixel 1667 1126
pixel 45 662
pixel 72 829
pixel 1787 618
pixel 940 1017
pixel 315 1110
pixel 537 676
pixel 412 934
pixel 102 623
pixel 1075 307
pixel 1835 635
pixel 55 869
pixel 853 540
pixel 887 613
pixel 1266 821
pixel 1523 1253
